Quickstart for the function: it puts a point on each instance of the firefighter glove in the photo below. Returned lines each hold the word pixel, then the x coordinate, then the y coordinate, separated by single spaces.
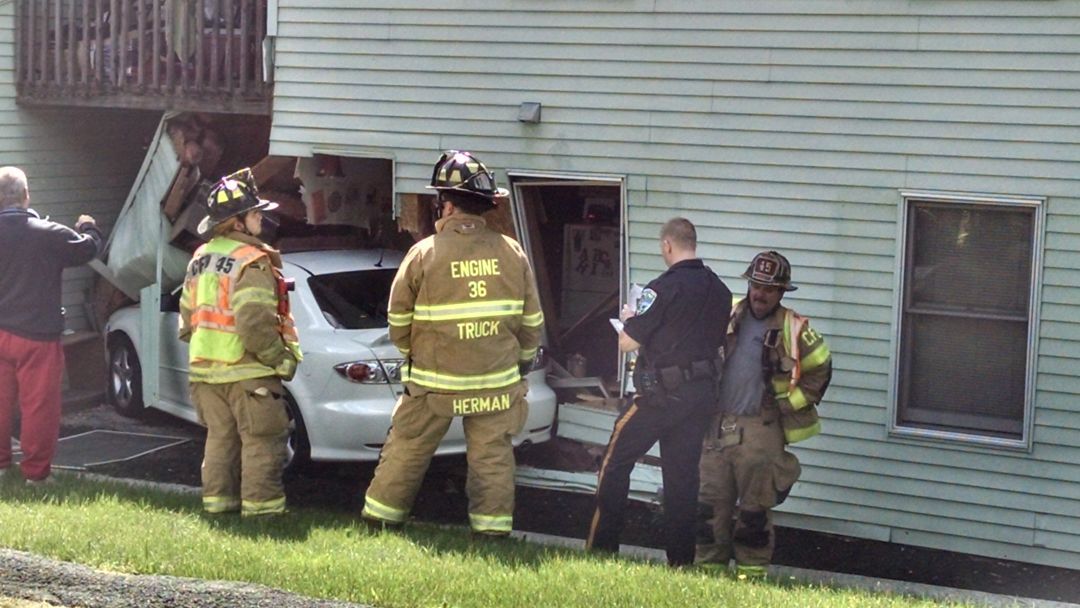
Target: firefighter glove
pixel 286 369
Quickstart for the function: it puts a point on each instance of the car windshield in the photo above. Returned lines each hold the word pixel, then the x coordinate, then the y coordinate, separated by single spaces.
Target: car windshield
pixel 354 300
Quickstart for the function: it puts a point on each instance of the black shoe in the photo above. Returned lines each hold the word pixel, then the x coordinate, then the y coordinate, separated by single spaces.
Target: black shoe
pixel 380 525
pixel 489 536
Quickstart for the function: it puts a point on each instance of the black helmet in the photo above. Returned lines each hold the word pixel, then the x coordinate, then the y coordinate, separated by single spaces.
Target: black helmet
pixel 771 269
pixel 462 172
pixel 232 195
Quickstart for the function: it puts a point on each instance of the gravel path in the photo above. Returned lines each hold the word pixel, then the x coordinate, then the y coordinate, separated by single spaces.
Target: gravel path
pixel 29 577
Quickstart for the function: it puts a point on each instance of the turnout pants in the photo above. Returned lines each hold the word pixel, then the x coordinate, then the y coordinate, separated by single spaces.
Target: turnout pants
pixel 745 472
pixel 417 427
pixel 679 426
pixel 247 427
pixel 30 375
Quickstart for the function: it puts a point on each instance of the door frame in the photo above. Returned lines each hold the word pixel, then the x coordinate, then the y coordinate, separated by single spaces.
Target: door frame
pixel 522 178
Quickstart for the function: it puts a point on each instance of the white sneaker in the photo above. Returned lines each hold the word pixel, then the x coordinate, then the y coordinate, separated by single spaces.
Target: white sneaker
pixel 47 481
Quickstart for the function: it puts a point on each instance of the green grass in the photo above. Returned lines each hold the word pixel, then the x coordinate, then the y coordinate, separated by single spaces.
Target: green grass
pixel 331 555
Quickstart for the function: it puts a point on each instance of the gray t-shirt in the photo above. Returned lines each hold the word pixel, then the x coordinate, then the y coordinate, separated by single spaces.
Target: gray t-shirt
pixel 742 387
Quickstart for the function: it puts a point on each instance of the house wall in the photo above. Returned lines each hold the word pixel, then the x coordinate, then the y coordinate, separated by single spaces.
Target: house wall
pixel 777 123
pixel 77 161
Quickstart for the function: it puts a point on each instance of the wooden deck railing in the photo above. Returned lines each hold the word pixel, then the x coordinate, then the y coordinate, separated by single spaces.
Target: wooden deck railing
pixel 202 55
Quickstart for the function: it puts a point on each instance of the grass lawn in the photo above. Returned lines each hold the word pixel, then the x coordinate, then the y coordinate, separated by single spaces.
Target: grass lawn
pixel 117 528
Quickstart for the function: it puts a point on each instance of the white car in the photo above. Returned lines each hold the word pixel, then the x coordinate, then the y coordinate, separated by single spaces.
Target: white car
pixel 344 391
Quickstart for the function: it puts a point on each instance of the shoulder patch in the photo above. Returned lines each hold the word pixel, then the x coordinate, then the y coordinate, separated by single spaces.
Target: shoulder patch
pixel 648 297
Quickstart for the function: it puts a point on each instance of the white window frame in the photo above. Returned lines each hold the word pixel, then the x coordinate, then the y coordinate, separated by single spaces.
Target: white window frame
pixel 1038 205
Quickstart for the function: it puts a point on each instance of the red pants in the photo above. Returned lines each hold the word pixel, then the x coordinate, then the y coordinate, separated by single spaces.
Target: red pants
pixel 30 374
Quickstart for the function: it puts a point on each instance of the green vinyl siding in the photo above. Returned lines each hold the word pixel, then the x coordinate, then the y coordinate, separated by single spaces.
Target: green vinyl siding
pixel 774 124
pixel 76 162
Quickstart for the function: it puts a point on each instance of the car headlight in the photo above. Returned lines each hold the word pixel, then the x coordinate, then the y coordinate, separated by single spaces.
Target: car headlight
pixel 387 371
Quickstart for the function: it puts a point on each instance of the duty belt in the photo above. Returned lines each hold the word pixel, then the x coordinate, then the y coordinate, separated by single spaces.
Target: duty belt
pixel 672 377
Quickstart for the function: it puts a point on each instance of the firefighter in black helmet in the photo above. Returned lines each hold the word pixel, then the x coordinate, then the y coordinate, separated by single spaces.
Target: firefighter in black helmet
pixel 464 312
pixel 234 311
pixel 462 172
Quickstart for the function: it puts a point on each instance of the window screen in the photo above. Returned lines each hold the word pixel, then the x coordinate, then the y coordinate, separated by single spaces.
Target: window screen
pixel 965 318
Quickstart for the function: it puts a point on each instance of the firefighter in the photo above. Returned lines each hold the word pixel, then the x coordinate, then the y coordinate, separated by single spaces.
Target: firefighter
pixel 464 313
pixel 777 370
pixel 234 311
pixel 675 374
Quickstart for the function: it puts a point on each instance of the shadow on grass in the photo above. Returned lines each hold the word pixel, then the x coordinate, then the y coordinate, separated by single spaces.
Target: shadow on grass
pixel 294 526
pixel 459 540
pixel 70 490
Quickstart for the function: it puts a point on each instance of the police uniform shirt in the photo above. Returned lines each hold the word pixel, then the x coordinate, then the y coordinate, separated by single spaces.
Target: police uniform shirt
pixel 681 317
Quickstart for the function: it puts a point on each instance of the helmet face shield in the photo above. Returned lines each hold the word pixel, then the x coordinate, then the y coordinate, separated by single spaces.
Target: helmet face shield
pixel 483 180
pixel 269 225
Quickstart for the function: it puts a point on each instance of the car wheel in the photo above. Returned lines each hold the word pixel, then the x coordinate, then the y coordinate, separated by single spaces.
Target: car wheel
pixel 298 449
pixel 125 377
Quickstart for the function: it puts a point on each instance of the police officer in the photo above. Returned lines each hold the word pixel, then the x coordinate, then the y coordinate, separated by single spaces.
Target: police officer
pixel 464 312
pixel 678 330
pixel 234 310
pixel 777 370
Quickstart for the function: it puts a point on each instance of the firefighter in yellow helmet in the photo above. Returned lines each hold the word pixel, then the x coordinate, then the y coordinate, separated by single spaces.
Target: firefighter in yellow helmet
pixel 464 312
pixel 234 311
pixel 777 370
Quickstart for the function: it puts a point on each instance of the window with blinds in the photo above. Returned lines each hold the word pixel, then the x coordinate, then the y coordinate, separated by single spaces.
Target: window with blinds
pixel 966 317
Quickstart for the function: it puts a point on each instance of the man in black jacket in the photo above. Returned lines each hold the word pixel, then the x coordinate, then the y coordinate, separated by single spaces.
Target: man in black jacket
pixel 33 255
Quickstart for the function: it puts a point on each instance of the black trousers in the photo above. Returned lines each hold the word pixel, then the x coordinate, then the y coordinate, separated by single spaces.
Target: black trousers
pixel 679 425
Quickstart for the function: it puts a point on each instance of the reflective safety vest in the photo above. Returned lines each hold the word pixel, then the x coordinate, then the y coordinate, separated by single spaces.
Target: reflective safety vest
pixel 807 352
pixel 216 352
pixel 799 373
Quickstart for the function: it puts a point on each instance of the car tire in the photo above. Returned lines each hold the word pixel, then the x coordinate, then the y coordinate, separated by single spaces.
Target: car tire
pixel 125 377
pixel 298 450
